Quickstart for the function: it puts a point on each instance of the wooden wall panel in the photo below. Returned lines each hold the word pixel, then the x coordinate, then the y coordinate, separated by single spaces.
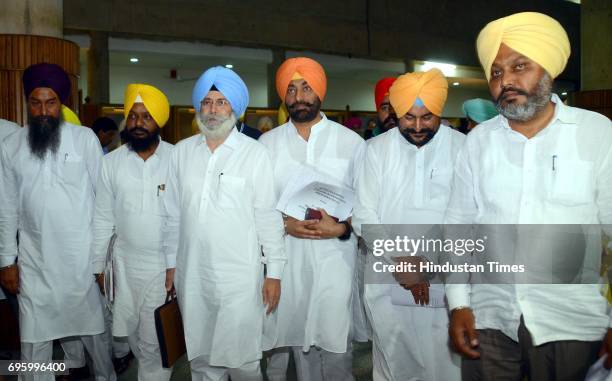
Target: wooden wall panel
pixel 17 52
pixel 597 100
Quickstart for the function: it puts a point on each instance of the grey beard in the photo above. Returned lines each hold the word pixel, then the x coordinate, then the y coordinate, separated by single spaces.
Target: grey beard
pixel 536 102
pixel 216 131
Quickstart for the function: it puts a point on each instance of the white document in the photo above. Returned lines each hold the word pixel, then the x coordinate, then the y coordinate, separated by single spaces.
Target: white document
pixel 109 274
pixel 312 189
pixel 402 297
pixel 597 372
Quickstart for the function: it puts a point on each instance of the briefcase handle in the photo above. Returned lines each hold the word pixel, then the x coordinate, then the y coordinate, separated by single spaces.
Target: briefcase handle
pixel 170 295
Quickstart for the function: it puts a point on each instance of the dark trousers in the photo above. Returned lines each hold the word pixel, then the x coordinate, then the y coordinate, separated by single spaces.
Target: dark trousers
pixel 503 359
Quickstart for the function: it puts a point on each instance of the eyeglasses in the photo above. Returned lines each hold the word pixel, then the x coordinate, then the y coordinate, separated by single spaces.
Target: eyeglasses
pixel 207 103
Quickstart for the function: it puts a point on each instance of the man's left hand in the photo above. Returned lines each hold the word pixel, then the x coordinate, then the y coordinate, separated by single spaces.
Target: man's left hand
pixel 606 348
pixel 327 227
pixel 271 294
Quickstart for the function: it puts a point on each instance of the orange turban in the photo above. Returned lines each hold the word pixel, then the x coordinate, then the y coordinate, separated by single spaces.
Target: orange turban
pixel 301 67
pixel 382 89
pixel 430 87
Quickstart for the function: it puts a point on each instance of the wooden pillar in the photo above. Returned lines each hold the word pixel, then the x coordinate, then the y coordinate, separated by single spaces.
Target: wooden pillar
pixel 17 52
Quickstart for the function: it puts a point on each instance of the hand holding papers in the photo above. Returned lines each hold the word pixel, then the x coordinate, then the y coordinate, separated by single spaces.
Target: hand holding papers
pixel 315 190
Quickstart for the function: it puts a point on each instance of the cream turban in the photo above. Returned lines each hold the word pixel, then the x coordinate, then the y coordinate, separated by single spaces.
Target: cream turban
pixel 535 35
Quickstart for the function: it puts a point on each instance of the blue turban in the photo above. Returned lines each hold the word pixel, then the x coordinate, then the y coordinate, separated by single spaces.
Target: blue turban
pixel 47 75
pixel 228 83
pixel 479 110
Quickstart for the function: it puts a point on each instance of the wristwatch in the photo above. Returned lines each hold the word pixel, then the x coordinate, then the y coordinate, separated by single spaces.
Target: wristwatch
pixel 348 231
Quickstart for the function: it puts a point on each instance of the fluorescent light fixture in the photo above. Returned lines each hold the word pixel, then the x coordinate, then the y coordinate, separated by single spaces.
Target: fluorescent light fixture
pixel 446 68
pixel 564 93
pixel 134 59
pixel 455 83
pixel 229 66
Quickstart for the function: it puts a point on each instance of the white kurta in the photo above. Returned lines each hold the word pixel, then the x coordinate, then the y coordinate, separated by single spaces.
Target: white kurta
pixel 563 175
pixel 316 303
pixel 403 184
pixel 129 203
pixel 221 211
pixel 51 203
pixel 6 128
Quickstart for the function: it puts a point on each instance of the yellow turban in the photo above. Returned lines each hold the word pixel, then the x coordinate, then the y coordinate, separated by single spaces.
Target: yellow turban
pixel 283 114
pixel 69 116
pixel 429 87
pixel 535 35
pixel 154 100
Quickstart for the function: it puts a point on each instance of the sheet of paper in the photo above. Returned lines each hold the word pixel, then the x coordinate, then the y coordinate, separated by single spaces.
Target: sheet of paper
pixel 311 189
pixel 403 297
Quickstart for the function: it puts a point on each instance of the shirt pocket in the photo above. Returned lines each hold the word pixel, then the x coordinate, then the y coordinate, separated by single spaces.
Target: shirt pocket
pixel 230 191
pixel 73 170
pixel 572 182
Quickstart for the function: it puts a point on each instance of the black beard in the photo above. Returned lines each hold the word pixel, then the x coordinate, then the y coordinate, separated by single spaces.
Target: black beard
pixel 407 131
pixel 139 144
pixel 304 116
pixel 43 135
pixel 388 123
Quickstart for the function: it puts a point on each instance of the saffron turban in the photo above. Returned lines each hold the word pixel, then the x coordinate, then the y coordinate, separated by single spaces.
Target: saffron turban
pixel 301 67
pixel 382 90
pixel 228 83
pixel 154 100
pixel 427 88
pixel 47 75
pixel 534 35
pixel 69 116
pixel 479 110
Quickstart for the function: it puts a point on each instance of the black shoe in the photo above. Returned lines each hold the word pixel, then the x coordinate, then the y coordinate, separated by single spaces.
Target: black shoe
pixel 75 374
pixel 122 363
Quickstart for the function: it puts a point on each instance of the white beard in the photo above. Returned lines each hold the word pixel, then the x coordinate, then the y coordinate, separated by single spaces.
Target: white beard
pixel 216 131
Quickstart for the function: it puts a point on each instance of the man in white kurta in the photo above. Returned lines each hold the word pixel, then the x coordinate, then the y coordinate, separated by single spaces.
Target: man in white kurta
pixel 315 312
pixel 539 162
pixel 129 204
pixel 6 128
pixel 406 180
pixel 49 170
pixel 220 200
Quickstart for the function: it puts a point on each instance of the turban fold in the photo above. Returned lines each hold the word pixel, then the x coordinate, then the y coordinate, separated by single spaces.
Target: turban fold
pixel 69 116
pixel 428 87
pixel 154 100
pixel 47 75
pixel 382 89
pixel 479 110
pixel 534 35
pixel 228 83
pixel 301 67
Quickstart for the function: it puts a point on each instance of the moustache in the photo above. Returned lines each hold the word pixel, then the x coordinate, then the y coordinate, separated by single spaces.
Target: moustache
pixel 422 131
pixel 140 129
pixel 299 103
pixel 505 90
